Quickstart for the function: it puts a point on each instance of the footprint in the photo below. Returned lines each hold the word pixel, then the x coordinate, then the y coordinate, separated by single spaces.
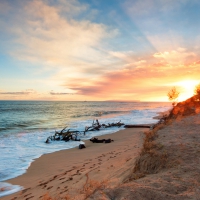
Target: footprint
pixel 23 191
pixel 64 181
pixel 29 198
pixel 49 187
pixel 27 194
pixel 44 186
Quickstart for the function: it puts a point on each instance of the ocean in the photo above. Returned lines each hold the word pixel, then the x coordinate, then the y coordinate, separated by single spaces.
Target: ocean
pixel 25 126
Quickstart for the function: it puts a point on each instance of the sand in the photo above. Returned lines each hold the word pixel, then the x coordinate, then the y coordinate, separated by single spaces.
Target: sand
pixel 179 179
pixel 66 172
pixel 105 171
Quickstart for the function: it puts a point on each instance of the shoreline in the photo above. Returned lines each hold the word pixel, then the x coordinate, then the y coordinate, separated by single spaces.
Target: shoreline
pixel 48 167
pixel 27 147
pixel 163 163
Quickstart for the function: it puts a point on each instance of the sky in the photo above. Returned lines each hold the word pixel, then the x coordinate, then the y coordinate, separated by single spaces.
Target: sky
pixel 97 50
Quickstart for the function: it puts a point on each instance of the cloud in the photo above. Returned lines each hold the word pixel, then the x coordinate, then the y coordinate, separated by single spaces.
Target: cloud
pixel 4 7
pixel 15 93
pixel 128 58
pixel 139 8
pixel 26 92
pixel 161 55
pixel 197 62
pixel 179 56
pixel 71 7
pixel 122 54
pixel 46 36
pixel 164 23
pixel 136 82
pixel 60 93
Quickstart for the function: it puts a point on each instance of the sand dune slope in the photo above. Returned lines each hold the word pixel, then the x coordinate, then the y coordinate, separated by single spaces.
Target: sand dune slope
pixel 179 178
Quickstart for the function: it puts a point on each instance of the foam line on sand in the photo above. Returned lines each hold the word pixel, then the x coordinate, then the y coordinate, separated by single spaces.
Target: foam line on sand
pixel 66 172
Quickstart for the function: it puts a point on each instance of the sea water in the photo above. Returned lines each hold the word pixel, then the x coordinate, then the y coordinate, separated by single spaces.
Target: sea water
pixel 25 126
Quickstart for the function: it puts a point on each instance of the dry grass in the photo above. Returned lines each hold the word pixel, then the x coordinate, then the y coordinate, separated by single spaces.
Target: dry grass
pixel 48 197
pixel 151 159
pixel 91 186
pixel 190 106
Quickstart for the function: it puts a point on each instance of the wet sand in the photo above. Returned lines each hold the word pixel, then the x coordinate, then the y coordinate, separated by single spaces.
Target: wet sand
pixel 67 172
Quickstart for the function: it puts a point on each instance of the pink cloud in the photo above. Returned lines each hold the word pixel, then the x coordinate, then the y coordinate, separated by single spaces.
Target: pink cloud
pixel 140 82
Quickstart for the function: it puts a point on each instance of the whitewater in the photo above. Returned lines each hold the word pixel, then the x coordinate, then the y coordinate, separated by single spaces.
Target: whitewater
pixel 25 125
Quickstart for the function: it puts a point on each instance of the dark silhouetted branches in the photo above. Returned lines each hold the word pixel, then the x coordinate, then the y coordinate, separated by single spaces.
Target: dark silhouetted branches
pixel 68 134
pixel 197 92
pixel 173 95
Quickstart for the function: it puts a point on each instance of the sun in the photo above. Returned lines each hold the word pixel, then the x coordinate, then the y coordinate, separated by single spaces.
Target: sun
pixel 186 88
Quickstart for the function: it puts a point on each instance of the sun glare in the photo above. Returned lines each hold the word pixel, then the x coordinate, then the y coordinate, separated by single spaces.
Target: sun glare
pixel 186 88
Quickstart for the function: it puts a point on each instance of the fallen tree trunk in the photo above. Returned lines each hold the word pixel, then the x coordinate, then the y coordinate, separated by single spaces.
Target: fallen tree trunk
pixel 137 126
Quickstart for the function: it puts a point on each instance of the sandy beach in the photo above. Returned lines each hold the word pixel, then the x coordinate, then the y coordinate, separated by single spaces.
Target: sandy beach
pixel 171 168
pixel 162 163
pixel 66 172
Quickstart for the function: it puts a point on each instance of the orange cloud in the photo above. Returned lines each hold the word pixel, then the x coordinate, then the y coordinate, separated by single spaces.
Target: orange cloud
pixel 146 82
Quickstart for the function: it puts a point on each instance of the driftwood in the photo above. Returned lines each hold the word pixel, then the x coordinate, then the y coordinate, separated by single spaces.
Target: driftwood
pixel 67 135
pixel 96 126
pixel 162 120
pixel 96 140
pixel 137 126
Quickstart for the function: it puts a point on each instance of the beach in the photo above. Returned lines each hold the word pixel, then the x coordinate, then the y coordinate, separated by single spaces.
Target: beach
pixel 124 71
pixel 64 173
pixel 168 168
pixel 177 146
pixel 25 126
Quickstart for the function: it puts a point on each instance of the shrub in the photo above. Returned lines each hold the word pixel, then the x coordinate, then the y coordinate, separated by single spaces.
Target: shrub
pixel 173 95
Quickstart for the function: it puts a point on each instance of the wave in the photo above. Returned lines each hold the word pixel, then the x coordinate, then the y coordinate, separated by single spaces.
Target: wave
pixel 33 124
pixel 100 113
